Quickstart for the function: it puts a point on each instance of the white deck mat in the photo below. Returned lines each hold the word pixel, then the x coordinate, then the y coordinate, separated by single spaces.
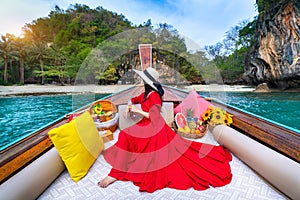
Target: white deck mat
pixel 245 184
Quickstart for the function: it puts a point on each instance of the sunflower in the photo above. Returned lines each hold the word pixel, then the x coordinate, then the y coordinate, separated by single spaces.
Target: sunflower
pixel 210 108
pixel 228 119
pixel 218 116
pixel 206 114
pixel 97 109
pixel 218 111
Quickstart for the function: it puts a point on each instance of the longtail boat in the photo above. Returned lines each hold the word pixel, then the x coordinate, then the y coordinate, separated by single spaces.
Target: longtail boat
pixel 266 162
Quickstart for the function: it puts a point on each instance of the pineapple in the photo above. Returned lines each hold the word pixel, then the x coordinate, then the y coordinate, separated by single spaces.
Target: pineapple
pixel 189 113
pixel 189 116
pixel 192 124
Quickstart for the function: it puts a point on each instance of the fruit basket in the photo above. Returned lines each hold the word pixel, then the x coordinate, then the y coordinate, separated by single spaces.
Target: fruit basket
pixel 105 115
pixel 192 128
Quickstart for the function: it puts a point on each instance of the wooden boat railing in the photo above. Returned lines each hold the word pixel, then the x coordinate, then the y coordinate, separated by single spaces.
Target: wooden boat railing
pixel 278 138
pixel 285 141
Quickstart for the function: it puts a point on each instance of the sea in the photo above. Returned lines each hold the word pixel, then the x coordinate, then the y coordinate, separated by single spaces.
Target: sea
pixel 21 116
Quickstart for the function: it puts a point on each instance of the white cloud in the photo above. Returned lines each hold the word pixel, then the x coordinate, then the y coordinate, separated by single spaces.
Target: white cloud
pixel 204 22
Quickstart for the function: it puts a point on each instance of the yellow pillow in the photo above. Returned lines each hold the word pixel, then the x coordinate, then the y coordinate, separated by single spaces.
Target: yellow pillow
pixel 78 143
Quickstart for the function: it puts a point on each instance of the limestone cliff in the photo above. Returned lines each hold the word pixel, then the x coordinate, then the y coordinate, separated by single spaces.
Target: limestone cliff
pixel 275 55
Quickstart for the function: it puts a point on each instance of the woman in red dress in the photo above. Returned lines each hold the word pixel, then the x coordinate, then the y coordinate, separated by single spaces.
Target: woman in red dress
pixel 153 156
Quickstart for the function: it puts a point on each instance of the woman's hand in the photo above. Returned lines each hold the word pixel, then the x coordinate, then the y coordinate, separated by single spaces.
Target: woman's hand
pixel 134 109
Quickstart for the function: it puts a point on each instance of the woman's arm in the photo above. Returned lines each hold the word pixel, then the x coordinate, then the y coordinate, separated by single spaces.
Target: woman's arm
pixel 134 100
pixel 137 99
pixel 134 109
pixel 153 99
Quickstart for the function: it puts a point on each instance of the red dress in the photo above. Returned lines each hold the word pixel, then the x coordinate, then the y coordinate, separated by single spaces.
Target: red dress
pixel 153 156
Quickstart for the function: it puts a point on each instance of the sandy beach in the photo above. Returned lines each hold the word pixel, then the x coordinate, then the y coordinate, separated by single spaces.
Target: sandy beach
pixel 57 89
pixel 104 89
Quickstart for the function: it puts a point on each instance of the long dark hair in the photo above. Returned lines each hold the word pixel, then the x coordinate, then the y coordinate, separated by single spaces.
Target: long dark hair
pixel 148 89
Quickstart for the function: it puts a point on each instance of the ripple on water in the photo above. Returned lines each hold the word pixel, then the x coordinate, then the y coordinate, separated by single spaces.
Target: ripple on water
pixel 283 108
pixel 20 116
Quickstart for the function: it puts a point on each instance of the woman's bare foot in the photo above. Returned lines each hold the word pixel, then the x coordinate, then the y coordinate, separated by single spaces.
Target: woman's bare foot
pixel 106 181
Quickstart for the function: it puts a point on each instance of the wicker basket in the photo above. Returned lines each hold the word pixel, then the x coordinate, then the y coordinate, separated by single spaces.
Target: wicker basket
pixel 190 135
pixel 107 106
pixel 111 125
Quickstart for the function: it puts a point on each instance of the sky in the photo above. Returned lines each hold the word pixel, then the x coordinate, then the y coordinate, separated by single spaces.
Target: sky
pixel 202 22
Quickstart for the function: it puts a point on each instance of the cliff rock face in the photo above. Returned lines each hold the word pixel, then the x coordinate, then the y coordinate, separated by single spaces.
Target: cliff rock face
pixel 275 56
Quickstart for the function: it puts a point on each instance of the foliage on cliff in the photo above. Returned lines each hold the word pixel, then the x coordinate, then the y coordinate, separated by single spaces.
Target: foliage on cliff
pixel 229 54
pixel 266 49
pixel 54 47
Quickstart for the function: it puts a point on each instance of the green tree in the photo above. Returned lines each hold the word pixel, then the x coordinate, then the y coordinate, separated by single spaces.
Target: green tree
pixel 229 54
pixel 39 46
pixel 108 76
pixel 21 49
pixel 57 65
pixel 5 52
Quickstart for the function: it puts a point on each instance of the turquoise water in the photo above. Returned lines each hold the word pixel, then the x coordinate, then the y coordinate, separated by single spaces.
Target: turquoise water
pixel 280 107
pixel 20 116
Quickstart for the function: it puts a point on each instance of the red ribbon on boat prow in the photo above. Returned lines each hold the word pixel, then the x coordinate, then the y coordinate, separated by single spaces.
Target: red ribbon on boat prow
pixel 72 116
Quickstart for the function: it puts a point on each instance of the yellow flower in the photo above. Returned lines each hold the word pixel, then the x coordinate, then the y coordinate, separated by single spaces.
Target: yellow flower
pixel 206 115
pixel 218 111
pixel 210 108
pixel 228 119
pixel 218 117
pixel 97 109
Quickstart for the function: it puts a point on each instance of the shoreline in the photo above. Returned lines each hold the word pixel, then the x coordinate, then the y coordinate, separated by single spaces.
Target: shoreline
pixel 49 89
